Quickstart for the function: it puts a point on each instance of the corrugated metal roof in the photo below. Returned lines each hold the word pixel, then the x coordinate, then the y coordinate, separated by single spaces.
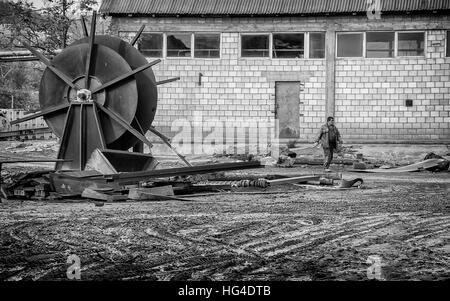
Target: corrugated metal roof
pixel 264 7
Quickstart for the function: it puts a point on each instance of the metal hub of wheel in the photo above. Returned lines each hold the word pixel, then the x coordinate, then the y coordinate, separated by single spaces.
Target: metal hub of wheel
pixel 85 94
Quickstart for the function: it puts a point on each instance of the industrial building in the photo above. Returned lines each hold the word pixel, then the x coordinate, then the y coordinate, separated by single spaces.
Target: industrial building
pixel 382 68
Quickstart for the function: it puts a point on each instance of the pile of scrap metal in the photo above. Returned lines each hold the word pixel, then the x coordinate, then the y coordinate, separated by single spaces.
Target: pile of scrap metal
pixel 162 184
pixel 50 185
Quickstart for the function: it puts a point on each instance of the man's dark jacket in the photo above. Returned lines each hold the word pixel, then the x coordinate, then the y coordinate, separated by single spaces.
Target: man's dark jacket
pixel 324 134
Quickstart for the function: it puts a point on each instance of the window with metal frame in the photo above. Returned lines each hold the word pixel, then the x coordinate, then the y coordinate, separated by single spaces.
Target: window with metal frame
pixel 151 44
pixel 350 44
pixel 207 45
pixel 288 45
pixel 380 44
pixel 255 45
pixel 179 45
pixel 317 45
pixel 411 44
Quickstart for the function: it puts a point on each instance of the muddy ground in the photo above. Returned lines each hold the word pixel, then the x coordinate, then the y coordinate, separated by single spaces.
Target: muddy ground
pixel 291 233
pixel 300 234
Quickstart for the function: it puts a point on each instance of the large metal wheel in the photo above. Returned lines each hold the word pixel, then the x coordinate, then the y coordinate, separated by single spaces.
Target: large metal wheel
pixel 146 85
pixel 98 93
pixel 121 99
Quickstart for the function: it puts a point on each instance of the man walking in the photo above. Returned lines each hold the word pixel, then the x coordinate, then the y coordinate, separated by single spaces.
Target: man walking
pixel 330 138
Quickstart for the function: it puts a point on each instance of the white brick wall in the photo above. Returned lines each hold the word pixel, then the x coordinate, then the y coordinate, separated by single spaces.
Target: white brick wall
pixel 423 80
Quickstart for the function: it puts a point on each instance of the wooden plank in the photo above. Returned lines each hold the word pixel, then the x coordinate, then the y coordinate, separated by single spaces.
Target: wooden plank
pixel 150 193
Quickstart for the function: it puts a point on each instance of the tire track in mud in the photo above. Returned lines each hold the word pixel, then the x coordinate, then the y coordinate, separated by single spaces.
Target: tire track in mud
pixel 425 231
pixel 322 238
pixel 332 234
pixel 280 238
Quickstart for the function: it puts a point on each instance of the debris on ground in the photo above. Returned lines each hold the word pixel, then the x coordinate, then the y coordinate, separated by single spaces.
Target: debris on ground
pixel 149 193
pixel 351 183
pixel 442 167
pixel 434 165
pixel 40 186
pixel 38 148
pixel 285 161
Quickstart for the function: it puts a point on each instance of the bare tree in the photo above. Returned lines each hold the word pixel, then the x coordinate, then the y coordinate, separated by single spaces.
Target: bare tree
pixel 46 28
